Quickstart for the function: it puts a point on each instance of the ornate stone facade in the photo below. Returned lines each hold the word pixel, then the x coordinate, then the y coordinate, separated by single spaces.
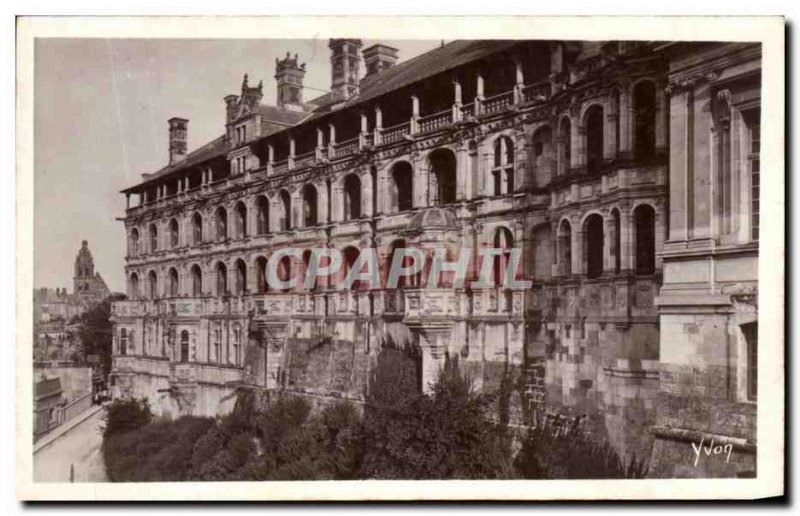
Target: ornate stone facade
pixel 559 149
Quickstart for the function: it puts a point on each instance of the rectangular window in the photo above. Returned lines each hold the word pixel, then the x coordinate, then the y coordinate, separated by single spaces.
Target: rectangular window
pixel 755 180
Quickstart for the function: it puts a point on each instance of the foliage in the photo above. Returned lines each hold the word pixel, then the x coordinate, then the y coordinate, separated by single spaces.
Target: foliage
pixel 444 435
pixel 95 332
pixel 126 414
pixel 453 432
pixel 554 452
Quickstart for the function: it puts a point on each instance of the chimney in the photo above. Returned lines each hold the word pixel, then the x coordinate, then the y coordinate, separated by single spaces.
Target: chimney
pixel 231 102
pixel 178 129
pixel 344 68
pixel 378 58
pixel 289 76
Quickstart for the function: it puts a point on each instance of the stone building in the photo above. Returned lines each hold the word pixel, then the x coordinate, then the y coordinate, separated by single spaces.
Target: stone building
pixel 708 302
pixel 565 150
pixel 88 286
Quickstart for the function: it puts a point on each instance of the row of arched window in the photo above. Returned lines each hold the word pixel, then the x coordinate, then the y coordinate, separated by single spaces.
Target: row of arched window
pixel 220 226
pixel 594 236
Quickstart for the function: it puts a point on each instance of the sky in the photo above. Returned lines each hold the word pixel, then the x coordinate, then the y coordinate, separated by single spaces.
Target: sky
pixel 100 120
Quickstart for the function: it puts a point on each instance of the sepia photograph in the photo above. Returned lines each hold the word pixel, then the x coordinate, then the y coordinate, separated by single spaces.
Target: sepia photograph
pixel 270 260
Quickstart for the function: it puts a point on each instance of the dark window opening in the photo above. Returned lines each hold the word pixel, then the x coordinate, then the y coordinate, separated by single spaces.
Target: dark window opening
pixel 644 220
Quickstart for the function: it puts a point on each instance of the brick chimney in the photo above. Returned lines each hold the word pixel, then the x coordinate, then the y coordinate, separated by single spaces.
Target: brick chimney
pixel 345 63
pixel 178 133
pixel 289 76
pixel 379 57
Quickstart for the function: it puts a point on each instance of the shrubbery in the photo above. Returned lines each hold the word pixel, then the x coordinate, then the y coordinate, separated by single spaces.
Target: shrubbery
pixel 402 434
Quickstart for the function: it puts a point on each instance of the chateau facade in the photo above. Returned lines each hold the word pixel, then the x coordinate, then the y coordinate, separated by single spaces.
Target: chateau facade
pixel 573 152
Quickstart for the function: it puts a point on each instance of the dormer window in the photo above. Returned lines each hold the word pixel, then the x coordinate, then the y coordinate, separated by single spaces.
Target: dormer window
pixel 241 134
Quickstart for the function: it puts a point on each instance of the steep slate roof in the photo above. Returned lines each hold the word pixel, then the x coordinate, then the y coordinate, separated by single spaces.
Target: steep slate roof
pixel 438 60
pixel 275 119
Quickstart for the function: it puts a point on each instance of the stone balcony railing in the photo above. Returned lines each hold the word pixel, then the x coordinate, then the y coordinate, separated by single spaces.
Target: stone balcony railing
pixel 346 147
pixel 305 160
pixel 497 103
pixel 435 121
pixel 395 133
pixel 539 92
pixel 213 374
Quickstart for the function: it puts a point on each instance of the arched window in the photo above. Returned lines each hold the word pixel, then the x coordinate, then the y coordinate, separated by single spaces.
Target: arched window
pixel 222 223
pixel 285 270
pixel 261 275
pixel 306 266
pixel 543 155
pixel 133 286
pixel 123 341
pixel 565 248
pixel 309 206
pixel 286 215
pixel 402 190
pixel 593 121
pixel 614 114
pixel 443 166
pixel 153 238
pixel 133 250
pixel 564 146
pixel 197 229
pixel 644 218
pixel 173 283
pixel 262 215
pixel 352 197
pixel 593 245
pixel 503 239
pixel 615 241
pixel 152 280
pixel 644 109
pixel 543 253
pixel 184 346
pixel 503 166
pixel 222 279
pixel 174 234
pixel 350 256
pixel 197 281
pixel 402 281
pixel 241 277
pixel 241 220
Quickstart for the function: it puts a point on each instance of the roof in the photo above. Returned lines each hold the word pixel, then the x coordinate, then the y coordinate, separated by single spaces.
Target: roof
pixel 47 388
pixel 275 119
pixel 215 148
pixel 438 60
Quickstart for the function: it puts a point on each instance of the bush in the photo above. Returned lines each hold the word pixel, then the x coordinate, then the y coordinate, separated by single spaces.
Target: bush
pixel 124 415
pixel 552 452
pixel 445 435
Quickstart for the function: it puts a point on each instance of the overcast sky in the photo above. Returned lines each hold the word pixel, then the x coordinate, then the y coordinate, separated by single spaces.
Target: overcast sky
pixel 100 121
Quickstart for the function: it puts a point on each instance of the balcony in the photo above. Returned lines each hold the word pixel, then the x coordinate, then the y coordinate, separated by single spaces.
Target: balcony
pixel 305 160
pixel 395 133
pixel 435 121
pixel 280 167
pixel 539 92
pixel 498 103
pixel 214 374
pixel 346 147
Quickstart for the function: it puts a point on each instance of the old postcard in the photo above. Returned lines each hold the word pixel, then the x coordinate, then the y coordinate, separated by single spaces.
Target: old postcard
pixel 352 258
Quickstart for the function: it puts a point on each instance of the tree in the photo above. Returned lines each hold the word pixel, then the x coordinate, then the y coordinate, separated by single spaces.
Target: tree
pixel 95 332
